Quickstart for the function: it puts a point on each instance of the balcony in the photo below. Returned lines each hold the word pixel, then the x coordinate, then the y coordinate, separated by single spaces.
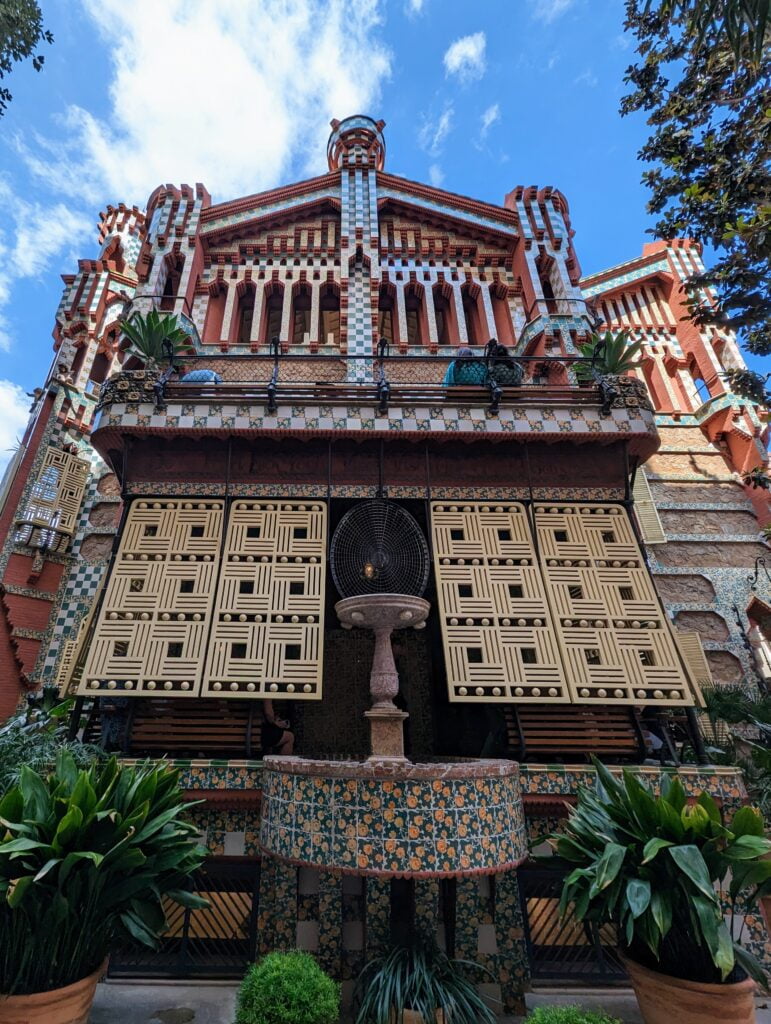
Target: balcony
pixel 371 818
pixel 399 396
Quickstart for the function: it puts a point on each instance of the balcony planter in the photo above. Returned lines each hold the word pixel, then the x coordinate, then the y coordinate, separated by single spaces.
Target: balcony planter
pixel 413 1017
pixel 663 999
pixel 68 1005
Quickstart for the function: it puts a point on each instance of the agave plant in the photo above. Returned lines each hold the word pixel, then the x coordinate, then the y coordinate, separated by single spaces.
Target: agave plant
pixel 609 353
pixel 655 866
pixel 154 336
pixel 422 978
pixel 86 858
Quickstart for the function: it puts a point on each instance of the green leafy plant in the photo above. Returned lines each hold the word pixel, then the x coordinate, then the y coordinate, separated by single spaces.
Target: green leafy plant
pixel 153 336
pixel 88 857
pixel 287 988
pixel 567 1015
pixel 610 353
pixel 35 734
pixel 653 867
pixel 737 723
pixel 420 977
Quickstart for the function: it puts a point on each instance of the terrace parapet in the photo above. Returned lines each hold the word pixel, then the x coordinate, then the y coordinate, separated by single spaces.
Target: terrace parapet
pixel 319 398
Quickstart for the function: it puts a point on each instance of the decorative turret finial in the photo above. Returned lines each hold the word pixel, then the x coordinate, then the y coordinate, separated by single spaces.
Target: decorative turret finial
pixel 356 141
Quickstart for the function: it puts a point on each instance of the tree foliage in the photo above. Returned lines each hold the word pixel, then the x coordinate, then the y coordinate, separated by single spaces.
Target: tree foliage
pixel 703 78
pixel 21 32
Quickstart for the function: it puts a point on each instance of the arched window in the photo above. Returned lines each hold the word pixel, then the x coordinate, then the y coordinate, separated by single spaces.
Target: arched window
pixel 413 302
pixel 171 285
pixel 444 312
pixel 100 368
pixel 77 360
pixel 245 314
pixel 212 331
pixel 473 315
pixel 388 320
pixel 301 314
pixel 504 330
pixel 272 312
pixel 701 389
pixel 329 315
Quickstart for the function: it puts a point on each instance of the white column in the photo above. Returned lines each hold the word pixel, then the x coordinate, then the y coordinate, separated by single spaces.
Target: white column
pixel 286 312
pixel 459 314
pixel 259 302
pixel 231 304
pixel 315 332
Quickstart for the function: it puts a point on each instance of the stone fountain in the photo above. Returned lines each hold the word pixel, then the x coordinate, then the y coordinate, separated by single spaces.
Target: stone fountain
pixel 383 613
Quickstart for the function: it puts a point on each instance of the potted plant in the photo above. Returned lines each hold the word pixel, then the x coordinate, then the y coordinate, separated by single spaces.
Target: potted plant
pixel 86 857
pixel 287 988
pixel 654 867
pixel 609 353
pixel 567 1015
pixel 155 338
pixel 418 984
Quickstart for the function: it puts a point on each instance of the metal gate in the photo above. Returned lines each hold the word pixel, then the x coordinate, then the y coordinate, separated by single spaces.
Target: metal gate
pixel 215 943
pixel 563 949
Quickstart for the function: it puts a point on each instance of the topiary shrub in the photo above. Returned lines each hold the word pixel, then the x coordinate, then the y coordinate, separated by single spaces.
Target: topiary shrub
pixel 567 1015
pixel 287 988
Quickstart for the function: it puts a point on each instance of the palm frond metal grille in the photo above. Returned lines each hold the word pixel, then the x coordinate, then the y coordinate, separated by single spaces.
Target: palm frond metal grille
pixel 378 548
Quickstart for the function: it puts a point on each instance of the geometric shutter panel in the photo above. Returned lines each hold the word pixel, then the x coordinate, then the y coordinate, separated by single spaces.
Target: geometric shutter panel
pixel 56 496
pixel 153 624
pixel 616 641
pixel 645 509
pixel 696 662
pixel 499 644
pixel 268 632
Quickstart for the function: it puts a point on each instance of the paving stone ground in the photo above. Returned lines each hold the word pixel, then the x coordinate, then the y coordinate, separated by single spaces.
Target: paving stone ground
pixel 122 1003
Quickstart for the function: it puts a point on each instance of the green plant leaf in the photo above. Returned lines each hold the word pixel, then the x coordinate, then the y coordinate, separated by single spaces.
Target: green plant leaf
pixel 609 865
pixel 690 861
pixel 653 847
pixel 638 895
pixel 747 822
pixel 17 890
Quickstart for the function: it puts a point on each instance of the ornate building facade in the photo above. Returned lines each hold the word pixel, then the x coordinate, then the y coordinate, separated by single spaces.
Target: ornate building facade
pixel 592 551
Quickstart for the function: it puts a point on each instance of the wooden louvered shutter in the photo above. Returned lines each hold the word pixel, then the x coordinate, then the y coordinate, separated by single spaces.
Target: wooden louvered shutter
pixel 695 661
pixel 645 509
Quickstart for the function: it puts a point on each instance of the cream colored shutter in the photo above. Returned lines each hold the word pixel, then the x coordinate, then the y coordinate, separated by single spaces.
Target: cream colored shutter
pixel 695 661
pixel 645 508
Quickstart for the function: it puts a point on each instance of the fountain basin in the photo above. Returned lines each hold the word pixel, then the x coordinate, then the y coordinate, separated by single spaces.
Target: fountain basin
pixel 394 818
pixel 383 611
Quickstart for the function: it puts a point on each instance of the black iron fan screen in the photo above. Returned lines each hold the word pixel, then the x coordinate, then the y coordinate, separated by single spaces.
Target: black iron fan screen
pixel 378 548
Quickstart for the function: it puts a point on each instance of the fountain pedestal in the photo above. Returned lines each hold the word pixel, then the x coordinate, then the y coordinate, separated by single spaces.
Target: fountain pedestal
pixel 383 613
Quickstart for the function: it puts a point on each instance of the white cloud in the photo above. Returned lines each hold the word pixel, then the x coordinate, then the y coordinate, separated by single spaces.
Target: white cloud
pixel 550 10
pixel 14 413
pixel 466 57
pixel 432 134
pixel 489 117
pixel 436 175
pixel 587 77
pixel 33 236
pixel 412 8
pixel 238 96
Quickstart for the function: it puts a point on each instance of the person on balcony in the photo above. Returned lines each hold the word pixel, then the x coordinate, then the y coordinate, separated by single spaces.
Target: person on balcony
pixel 503 369
pixel 277 738
pixel 465 369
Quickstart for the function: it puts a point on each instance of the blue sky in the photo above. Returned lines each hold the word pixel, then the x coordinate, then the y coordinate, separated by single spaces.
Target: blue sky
pixel 238 94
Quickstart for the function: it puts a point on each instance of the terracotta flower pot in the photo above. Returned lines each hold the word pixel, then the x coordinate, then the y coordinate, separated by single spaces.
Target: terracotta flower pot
pixel 68 1005
pixel 663 999
pixel 413 1017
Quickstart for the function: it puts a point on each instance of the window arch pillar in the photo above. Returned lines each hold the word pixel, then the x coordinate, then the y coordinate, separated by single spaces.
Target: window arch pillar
pixel 314 326
pixel 286 316
pixel 401 315
pixel 460 316
pixel 487 306
pixel 259 302
pixel 229 319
